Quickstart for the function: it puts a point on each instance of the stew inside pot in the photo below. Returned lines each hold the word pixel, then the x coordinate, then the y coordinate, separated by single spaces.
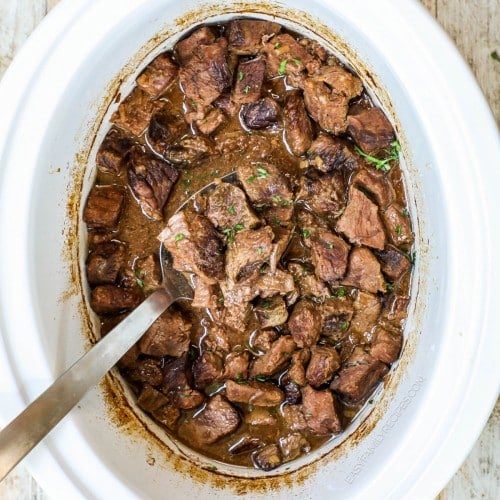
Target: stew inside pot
pixel 301 267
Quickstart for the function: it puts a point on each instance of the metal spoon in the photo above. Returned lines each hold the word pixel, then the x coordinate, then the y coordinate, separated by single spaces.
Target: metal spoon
pixel 37 420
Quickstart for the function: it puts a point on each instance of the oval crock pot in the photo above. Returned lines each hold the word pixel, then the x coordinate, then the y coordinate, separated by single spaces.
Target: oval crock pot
pixel 52 102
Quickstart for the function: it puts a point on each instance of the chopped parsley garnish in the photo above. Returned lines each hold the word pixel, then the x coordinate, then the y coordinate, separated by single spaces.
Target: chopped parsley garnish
pixel 231 210
pixel 305 233
pixel 282 68
pixel 281 201
pixel 240 75
pixel 390 287
pixel 259 250
pixel 344 325
pixel 260 378
pixel 261 173
pixel 382 164
pixel 246 89
pixel 231 231
pixel 398 229
pixel 340 292
pixel 277 45
pixel 212 467
pixel 179 236
pixel 370 401
pixel 138 278
pixel 494 55
pixel 329 245
pixel 298 62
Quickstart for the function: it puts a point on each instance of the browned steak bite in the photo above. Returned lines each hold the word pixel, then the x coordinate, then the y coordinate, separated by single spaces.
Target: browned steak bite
pixel 185 49
pixel 189 149
pixel 147 371
pixel 271 312
pixel 328 254
pixel 236 315
pixel 376 184
pixel 151 181
pixel 285 56
pixel 336 315
pixel 327 109
pixel 298 128
pixel 205 295
pixel 309 285
pixel 367 309
pixel 227 206
pixel 386 344
pixel 393 262
pixel 195 246
pixel 293 445
pixel 305 323
pixel 360 221
pixel 236 365
pixel 364 271
pixel 359 376
pixel 159 406
pixel 340 80
pixel 260 114
pixel 267 458
pixel 250 248
pixel 324 194
pixel 207 369
pixel 321 411
pixel 212 120
pixel 148 273
pixel 294 418
pixel 219 418
pixel 103 207
pixel 134 113
pixel 176 374
pixel 216 340
pixel 371 130
pixel 328 153
pixel 164 130
pixel 323 364
pixel 397 225
pixel 157 76
pixel 112 151
pixel 275 359
pixel 104 263
pixel 246 35
pixel 169 335
pixel 206 74
pixel 249 79
pixel 109 299
pixel 254 393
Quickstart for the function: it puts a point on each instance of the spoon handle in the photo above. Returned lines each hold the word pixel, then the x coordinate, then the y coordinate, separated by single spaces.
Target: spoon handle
pixel 37 420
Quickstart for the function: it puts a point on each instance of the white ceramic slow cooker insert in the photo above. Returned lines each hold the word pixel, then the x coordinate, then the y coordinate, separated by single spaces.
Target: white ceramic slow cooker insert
pixel 53 99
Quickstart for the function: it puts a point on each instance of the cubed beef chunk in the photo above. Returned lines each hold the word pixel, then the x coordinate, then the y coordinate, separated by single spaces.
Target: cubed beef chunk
pixel 159 406
pixel 218 419
pixel 267 458
pixel 298 128
pixel 250 248
pixel 254 393
pixel 371 130
pixel 226 104
pixel 169 335
pixel 110 299
pixel 297 373
pixel 227 206
pixel 367 309
pixel 327 109
pixel 323 364
pixel 275 358
pixel 364 271
pixel 359 376
pixel 393 262
pixel 148 273
pixel 165 129
pixel 187 398
pixel 261 340
pixel 336 315
pixel 323 194
pixel 112 150
pixel 151 181
pixel 328 254
pixel 267 186
pixel 321 411
pixel 315 49
pixel 216 340
pixel 271 312
pixel 147 371
pixel 157 76
pixel 212 120
pixel 246 35
pixel 260 416
pixel 260 114
pixel 244 444
pixel 361 222
pixel 207 369
pixel 386 344
pixel 309 285
pixel 305 323
pixel 285 56
pixel 327 153
pixel 103 207
pixel 293 417
pixel 189 149
pixel 206 74
pixel 206 295
pixel 293 445
pixel 340 80
pixel 236 315
pixel 176 374
pixel 249 79
pixel 398 225
pixel 279 283
pixel 195 246
pixel 185 49
pixel 104 263
pixel 134 113
pixel 236 365
pixel 376 183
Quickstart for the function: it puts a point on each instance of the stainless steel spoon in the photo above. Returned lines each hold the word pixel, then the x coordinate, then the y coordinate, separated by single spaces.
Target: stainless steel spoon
pixel 39 418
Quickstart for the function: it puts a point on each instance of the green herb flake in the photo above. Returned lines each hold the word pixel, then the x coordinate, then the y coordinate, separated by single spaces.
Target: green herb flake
pixel 398 229
pixel 340 292
pixel 277 199
pixel 344 325
pixel 298 62
pixel 220 300
pixel 389 287
pixel 186 182
pixel 246 89
pixel 273 410
pixel 329 245
pixel 250 408
pixel 405 212
pixel 260 378
pixel 139 278
pixel 212 467
pixel 231 210
pixel 240 75
pixel 179 237
pixel 306 233
pixel 383 164
pixel 495 56
pixel 262 173
pixel 370 401
pixel 277 45
pixel 276 221
pixel 266 304
pixel 282 68
pixel 260 250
